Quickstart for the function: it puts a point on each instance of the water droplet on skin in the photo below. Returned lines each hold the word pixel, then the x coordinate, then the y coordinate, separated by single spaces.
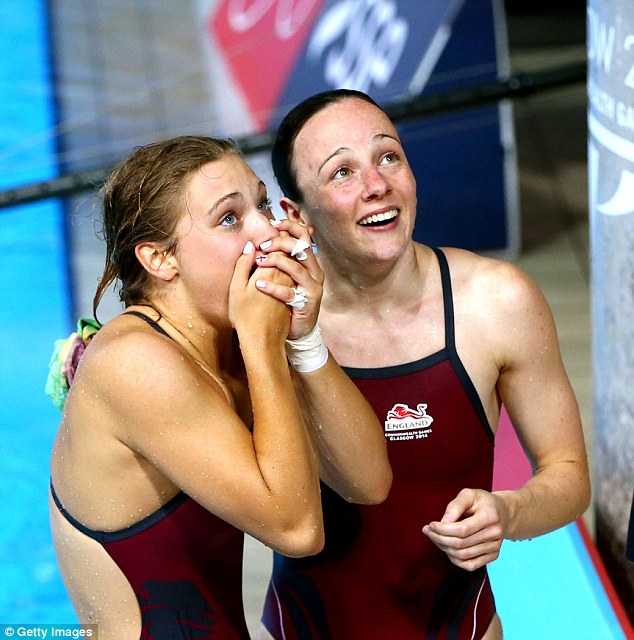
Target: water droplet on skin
pixel 189 325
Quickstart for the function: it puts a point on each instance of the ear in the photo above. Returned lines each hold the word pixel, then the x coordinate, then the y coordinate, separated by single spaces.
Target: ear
pixel 294 211
pixel 158 263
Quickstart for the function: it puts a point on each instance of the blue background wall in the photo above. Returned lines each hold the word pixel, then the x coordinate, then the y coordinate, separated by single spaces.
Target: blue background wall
pixel 33 313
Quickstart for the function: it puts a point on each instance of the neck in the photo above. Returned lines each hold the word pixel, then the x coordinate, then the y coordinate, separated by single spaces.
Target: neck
pixel 205 343
pixel 376 285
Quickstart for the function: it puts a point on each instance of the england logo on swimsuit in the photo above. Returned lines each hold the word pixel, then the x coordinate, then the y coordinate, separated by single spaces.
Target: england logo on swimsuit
pixel 404 423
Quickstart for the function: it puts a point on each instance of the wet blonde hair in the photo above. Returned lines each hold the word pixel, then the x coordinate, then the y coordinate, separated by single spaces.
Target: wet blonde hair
pixel 142 202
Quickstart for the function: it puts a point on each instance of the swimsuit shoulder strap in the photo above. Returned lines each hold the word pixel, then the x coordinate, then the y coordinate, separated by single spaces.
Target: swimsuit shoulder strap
pixel 149 320
pixel 445 277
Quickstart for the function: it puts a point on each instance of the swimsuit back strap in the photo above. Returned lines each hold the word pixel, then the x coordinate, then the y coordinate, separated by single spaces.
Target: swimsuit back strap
pixel 445 278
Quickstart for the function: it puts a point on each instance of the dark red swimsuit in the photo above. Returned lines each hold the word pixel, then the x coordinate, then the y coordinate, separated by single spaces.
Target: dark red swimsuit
pixel 184 565
pixel 379 577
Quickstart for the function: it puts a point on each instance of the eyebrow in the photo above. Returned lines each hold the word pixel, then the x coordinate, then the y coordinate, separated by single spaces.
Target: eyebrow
pixel 332 155
pixel 229 196
pixel 375 138
pixel 234 195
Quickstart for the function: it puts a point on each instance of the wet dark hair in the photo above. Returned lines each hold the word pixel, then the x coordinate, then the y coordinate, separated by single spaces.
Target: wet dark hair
pixel 143 201
pixel 292 124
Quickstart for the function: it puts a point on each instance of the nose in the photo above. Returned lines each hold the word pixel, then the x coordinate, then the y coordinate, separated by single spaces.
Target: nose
pixel 374 182
pixel 260 229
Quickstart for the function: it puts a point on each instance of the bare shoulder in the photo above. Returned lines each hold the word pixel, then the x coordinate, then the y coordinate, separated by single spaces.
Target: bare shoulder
pixel 125 349
pixel 130 374
pixel 492 283
pixel 500 312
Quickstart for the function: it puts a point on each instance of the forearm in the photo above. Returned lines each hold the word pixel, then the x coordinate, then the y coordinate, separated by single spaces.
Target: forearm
pixel 553 497
pixel 347 435
pixel 282 446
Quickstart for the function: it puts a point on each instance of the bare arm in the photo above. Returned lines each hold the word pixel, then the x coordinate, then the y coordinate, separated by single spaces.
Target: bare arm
pixel 347 435
pixel 265 482
pixel 535 389
pixel 345 430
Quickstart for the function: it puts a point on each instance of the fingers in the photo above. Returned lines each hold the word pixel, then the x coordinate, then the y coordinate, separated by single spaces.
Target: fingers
pixel 269 279
pixel 472 557
pixel 291 253
pixel 470 552
pixel 471 535
pixel 458 507
pixel 243 267
pixel 275 281
pixel 283 291
pixel 303 301
pixel 294 241
pixel 471 531
pixel 295 229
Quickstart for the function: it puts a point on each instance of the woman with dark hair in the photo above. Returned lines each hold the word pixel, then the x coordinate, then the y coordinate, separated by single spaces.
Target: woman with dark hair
pixel 184 425
pixel 442 338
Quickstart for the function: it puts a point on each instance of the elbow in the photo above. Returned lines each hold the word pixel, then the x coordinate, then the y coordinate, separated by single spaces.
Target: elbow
pixel 586 496
pixel 307 541
pixel 379 488
pixel 584 490
pixel 578 495
pixel 377 493
pixel 372 493
pixel 383 488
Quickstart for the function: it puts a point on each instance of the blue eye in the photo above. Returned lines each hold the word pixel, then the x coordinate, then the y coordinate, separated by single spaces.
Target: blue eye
pixel 265 205
pixel 229 220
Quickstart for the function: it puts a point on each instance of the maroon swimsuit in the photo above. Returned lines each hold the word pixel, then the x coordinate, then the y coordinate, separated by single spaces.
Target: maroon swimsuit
pixel 184 565
pixel 379 577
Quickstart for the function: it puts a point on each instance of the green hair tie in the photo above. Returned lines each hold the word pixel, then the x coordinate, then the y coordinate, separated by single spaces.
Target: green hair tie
pixel 65 358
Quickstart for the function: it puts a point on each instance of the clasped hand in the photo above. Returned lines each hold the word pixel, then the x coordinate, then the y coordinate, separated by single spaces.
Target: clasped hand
pixel 472 528
pixel 279 274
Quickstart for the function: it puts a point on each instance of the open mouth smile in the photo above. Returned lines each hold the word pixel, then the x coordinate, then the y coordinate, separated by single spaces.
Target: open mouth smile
pixel 379 219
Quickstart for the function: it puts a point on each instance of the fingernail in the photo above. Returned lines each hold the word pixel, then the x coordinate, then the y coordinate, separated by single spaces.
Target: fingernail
pixel 261 259
pixel 275 222
pixel 266 245
pixel 260 284
pixel 248 247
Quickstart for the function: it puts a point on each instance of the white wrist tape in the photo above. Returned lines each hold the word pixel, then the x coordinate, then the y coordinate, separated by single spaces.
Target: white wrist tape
pixel 308 353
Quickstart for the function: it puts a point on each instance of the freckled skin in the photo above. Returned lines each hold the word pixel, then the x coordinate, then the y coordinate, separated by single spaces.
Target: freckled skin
pixel 349 165
pixel 200 404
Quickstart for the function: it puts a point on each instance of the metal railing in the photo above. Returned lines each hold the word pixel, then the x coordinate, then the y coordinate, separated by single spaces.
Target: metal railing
pixel 520 85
